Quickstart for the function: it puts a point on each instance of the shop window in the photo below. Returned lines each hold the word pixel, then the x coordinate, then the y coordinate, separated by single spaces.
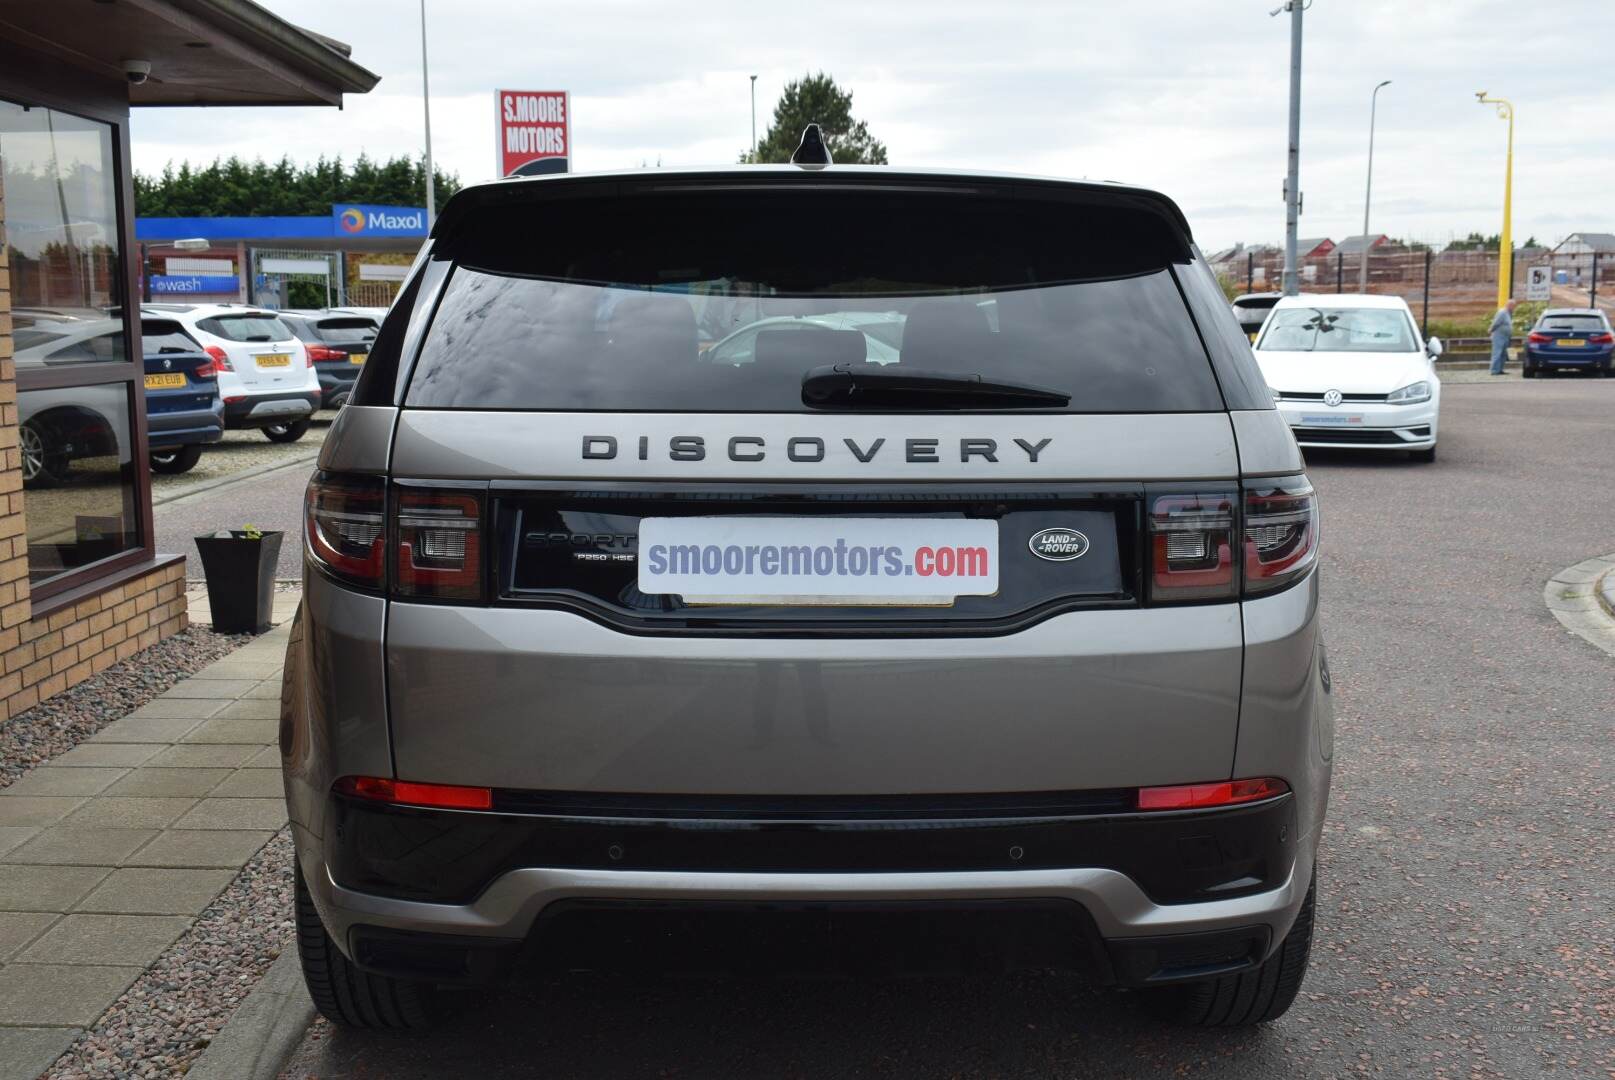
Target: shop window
pixel 77 396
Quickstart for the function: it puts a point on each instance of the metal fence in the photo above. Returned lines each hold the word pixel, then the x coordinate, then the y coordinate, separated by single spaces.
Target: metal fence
pixel 1446 287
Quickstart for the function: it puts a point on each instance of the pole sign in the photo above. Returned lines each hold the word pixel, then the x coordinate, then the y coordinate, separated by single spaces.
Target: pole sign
pixel 1538 283
pixel 534 131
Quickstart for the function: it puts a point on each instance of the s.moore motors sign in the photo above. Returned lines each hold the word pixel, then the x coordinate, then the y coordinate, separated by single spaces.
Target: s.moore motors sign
pixel 350 219
pixel 534 130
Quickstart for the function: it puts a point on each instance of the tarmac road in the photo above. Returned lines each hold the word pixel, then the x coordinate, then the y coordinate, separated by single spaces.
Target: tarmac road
pixel 1467 890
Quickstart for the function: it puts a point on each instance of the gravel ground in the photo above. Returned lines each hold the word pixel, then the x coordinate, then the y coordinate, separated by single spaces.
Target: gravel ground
pixel 171 1013
pixel 60 723
pixel 241 450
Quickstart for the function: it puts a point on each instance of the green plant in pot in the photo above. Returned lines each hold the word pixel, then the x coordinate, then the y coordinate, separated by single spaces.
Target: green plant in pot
pixel 239 565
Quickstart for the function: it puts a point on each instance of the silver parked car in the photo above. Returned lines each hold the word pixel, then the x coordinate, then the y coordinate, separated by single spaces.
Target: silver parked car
pixel 1022 623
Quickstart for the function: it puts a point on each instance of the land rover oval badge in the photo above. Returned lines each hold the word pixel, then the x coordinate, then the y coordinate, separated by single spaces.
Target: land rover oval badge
pixel 1058 545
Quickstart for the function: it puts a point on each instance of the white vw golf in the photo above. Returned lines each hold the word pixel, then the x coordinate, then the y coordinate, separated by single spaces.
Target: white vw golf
pixel 1352 371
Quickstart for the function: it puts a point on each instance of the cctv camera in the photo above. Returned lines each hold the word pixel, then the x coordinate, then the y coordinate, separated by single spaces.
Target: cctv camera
pixel 136 71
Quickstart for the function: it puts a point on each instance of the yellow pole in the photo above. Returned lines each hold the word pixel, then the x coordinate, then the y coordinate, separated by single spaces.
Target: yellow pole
pixel 1505 247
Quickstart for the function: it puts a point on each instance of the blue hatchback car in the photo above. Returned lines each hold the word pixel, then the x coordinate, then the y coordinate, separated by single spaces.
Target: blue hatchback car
pixel 1566 338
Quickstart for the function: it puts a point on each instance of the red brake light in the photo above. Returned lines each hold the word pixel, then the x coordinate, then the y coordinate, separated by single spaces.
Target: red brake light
pixel 208 370
pixel 1205 796
pixel 324 352
pixel 1280 534
pixel 1537 339
pixel 345 528
pixel 439 547
pixel 220 359
pixel 1602 339
pixel 1191 547
pixel 406 792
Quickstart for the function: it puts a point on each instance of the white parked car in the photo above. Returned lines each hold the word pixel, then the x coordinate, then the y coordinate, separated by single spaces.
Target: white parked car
pixel 265 376
pixel 1352 371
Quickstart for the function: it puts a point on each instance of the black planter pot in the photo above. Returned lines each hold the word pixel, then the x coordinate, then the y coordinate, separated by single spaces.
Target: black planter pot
pixel 240 574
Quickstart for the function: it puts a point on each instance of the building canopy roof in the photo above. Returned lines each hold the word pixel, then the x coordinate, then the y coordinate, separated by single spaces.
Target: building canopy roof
pixel 202 52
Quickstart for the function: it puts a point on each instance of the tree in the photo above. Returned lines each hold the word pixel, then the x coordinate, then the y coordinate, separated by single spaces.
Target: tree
pixel 816 99
pixel 230 187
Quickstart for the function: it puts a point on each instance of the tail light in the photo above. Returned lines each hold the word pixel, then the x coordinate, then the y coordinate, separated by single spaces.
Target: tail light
pixel 1602 339
pixel 1537 339
pixel 438 551
pixel 1280 534
pixel 1207 796
pixel 1191 547
pixel 1193 538
pixel 208 370
pixel 324 352
pixel 345 528
pixel 221 359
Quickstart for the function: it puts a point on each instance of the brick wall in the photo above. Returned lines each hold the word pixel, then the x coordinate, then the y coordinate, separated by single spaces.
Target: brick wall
pixel 45 655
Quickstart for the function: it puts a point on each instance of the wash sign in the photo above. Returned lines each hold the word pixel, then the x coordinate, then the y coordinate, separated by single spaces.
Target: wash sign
pixel 534 129
pixel 186 284
pixel 357 220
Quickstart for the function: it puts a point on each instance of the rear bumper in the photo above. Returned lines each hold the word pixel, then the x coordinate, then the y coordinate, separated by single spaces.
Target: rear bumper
pixel 336 382
pixel 257 410
pixel 1568 358
pixel 1132 939
pixel 167 429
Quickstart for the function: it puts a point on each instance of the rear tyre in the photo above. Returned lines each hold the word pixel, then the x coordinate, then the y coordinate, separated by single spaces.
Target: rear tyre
pixel 289 432
pixel 1527 371
pixel 1422 455
pixel 1251 997
pixel 178 460
pixel 43 465
pixel 347 996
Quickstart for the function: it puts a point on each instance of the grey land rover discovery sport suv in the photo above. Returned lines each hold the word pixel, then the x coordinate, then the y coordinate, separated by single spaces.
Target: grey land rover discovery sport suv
pixel 976 573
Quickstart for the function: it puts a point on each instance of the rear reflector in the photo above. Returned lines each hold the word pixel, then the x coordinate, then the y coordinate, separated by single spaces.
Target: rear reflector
pixel 1204 796
pixel 410 793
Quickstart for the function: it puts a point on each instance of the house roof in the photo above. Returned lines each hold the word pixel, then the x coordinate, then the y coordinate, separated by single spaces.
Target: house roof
pixel 1308 244
pixel 1353 244
pixel 202 52
pixel 1598 241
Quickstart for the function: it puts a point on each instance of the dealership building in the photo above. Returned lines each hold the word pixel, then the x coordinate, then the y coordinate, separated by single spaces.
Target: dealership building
pixel 355 255
pixel 82 584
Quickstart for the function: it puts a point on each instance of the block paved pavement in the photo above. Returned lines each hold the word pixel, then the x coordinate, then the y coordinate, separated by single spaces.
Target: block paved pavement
pixel 111 850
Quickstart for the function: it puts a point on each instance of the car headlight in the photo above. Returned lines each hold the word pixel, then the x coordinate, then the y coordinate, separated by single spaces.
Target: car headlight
pixel 1411 394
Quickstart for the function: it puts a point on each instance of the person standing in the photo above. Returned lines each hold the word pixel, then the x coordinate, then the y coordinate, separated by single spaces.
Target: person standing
pixel 1502 330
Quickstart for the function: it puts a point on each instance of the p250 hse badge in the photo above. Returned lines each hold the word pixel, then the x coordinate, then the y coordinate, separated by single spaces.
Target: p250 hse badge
pixel 1058 545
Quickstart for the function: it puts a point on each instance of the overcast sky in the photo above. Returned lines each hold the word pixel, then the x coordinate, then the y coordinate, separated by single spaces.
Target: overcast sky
pixel 1187 97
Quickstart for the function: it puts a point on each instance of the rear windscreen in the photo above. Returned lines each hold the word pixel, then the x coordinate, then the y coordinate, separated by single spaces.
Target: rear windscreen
pixel 351 331
pixel 1590 323
pixel 246 328
pixel 694 302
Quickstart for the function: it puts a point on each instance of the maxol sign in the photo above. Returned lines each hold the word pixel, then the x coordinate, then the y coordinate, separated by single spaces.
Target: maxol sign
pixel 348 219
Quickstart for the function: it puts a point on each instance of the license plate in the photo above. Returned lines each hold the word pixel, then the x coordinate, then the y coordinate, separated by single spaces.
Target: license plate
pixel 358 357
pixel 165 382
pixel 1570 343
pixel 273 360
pixel 818 561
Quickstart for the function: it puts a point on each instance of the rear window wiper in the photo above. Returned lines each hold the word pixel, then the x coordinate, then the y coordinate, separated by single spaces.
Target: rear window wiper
pixel 877 387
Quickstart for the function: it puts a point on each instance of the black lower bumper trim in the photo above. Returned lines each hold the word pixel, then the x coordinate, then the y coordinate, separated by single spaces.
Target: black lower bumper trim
pixel 449 856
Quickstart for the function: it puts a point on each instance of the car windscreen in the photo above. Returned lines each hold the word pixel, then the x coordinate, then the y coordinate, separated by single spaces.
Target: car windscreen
pixel 246 327
pixel 165 336
pixel 1331 329
pixel 1589 323
pixel 618 305
pixel 345 331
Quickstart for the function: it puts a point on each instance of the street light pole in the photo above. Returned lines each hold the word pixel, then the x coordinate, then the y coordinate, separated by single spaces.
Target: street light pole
pixel 754 119
pixel 426 107
pixel 1368 189
pixel 1505 245
pixel 1292 182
